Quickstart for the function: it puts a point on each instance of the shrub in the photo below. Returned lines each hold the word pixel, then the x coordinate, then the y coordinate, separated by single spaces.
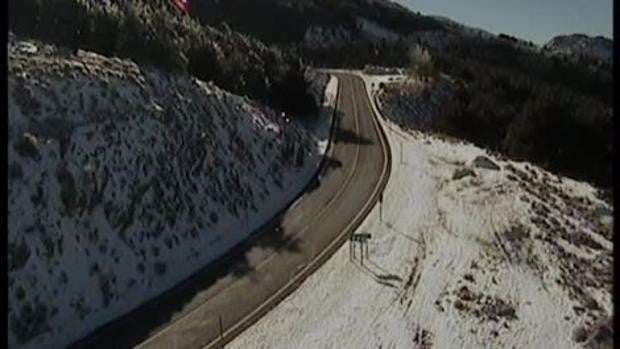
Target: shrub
pixel 159 268
pixel 30 321
pixel 15 171
pixel 18 254
pixel 25 148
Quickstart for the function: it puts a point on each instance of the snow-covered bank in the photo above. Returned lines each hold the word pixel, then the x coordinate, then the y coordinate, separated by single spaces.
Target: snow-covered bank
pixel 466 256
pixel 124 181
pixel 323 129
pixel 324 88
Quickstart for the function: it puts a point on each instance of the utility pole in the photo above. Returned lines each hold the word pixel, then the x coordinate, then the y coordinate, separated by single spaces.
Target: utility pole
pixel 362 240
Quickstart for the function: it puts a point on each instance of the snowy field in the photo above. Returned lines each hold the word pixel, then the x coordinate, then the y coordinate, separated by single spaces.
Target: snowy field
pixel 123 181
pixel 469 253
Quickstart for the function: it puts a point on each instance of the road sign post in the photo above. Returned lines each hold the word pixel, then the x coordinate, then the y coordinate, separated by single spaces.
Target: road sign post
pixel 381 208
pixel 351 248
pixel 362 251
pixel 362 240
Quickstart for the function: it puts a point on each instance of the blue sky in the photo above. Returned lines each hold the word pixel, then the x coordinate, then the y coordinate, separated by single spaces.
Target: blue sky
pixel 534 20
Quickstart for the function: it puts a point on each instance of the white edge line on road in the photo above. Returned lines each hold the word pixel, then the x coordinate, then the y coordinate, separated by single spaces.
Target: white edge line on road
pixel 311 264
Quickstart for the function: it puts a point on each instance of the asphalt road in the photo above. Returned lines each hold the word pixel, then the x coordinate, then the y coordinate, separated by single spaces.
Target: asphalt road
pixel 249 281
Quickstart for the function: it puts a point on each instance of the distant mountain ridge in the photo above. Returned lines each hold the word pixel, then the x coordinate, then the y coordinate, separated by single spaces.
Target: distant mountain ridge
pixel 581 45
pixel 464 29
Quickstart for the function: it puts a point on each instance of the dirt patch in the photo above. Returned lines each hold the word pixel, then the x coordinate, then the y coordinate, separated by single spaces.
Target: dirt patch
pixel 484 307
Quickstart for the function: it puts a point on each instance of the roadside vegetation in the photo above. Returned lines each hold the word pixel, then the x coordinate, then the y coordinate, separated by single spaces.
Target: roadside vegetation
pixel 531 107
pixel 155 33
pixel 578 75
pixel 522 102
pixel 509 96
pixel 286 21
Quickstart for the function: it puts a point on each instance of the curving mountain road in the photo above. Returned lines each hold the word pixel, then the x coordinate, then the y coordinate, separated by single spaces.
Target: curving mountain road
pixel 249 281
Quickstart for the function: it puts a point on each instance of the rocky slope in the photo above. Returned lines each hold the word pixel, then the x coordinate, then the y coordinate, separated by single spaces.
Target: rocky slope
pixel 580 45
pixel 124 180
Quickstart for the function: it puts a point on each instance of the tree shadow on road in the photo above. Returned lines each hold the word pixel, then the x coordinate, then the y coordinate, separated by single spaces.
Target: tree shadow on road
pixel 340 134
pixel 278 240
pixel 141 323
pixel 332 163
pixel 347 136
pixel 138 325
pixel 329 164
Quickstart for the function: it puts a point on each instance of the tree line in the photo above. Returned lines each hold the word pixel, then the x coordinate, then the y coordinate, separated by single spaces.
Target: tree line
pixel 286 21
pixel 155 33
pixel 529 118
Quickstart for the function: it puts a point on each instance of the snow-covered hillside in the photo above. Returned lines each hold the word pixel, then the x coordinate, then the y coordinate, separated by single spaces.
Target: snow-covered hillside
pixel 472 251
pixel 124 181
pixel 578 45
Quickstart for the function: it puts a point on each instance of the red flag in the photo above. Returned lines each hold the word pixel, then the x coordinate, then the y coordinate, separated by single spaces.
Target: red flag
pixel 183 5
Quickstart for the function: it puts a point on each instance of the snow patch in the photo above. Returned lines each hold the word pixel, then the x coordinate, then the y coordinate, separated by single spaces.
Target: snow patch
pixel 514 257
pixel 124 181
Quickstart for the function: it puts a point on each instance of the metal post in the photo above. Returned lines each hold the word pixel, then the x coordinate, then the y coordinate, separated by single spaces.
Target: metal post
pixel 362 252
pixel 381 208
pixel 350 248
